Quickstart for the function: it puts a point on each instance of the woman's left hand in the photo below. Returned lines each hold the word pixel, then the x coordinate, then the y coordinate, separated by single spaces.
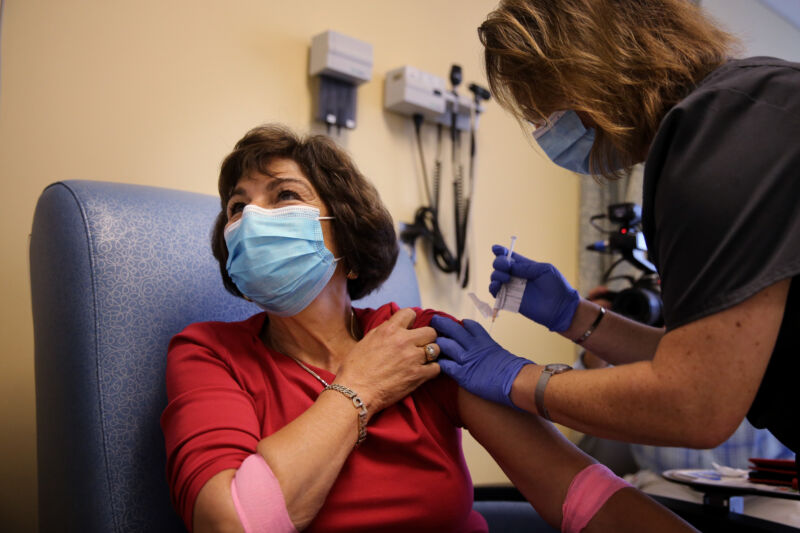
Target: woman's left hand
pixel 390 361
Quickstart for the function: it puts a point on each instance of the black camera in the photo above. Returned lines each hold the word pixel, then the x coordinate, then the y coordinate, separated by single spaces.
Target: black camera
pixel 641 301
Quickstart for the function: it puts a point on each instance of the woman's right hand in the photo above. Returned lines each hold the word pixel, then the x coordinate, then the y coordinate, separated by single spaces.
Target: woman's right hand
pixel 548 298
pixel 389 362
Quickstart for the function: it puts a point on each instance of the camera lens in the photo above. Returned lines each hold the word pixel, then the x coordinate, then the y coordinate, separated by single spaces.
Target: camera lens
pixel 642 305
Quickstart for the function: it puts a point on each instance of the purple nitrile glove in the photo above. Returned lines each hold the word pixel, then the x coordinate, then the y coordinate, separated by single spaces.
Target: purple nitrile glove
pixel 548 298
pixel 475 360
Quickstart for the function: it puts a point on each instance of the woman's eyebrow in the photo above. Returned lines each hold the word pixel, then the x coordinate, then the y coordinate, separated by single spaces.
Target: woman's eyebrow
pixel 238 191
pixel 277 182
pixel 272 184
pixel 235 193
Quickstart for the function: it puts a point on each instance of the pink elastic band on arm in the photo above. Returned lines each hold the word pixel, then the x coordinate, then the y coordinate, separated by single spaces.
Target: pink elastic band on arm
pixel 258 498
pixel 587 493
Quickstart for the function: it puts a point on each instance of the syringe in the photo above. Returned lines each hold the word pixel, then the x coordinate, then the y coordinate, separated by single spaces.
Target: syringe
pixel 501 294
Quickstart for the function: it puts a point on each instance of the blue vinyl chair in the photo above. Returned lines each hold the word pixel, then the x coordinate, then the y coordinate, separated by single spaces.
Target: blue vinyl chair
pixel 116 271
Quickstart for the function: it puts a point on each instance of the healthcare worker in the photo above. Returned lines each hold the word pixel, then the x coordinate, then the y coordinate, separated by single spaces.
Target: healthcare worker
pixel 610 83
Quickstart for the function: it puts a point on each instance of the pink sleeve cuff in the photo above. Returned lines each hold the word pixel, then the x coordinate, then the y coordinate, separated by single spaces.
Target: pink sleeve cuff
pixel 588 492
pixel 258 498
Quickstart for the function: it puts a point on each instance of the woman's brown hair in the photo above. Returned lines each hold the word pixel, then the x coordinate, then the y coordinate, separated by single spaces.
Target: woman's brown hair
pixel 620 63
pixel 362 226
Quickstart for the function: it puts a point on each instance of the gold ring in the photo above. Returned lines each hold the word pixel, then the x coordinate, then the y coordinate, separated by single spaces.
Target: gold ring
pixel 430 352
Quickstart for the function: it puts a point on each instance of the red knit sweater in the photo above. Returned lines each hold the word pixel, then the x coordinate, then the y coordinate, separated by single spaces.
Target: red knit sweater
pixel 227 391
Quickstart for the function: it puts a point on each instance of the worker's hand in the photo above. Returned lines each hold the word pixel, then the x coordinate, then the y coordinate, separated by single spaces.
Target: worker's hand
pixel 548 298
pixel 475 361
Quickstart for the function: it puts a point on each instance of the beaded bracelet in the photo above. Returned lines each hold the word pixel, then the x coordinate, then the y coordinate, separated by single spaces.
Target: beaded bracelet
pixel 359 405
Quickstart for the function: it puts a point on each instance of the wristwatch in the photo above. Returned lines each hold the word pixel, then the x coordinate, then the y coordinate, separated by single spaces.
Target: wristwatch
pixel 544 377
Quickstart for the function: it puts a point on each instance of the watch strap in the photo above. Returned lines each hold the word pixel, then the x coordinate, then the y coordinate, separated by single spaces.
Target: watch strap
pixel 544 377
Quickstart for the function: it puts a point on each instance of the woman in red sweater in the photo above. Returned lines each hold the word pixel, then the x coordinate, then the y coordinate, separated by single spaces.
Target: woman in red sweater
pixel 317 416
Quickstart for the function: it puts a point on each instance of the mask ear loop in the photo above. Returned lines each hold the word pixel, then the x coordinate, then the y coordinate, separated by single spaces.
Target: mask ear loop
pixel 540 130
pixel 335 259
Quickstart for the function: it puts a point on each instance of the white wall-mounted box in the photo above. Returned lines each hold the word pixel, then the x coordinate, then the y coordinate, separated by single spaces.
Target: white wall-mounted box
pixel 409 90
pixel 340 56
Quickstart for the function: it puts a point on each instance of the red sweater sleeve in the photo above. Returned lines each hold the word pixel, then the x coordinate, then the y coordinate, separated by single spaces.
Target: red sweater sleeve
pixel 443 388
pixel 210 423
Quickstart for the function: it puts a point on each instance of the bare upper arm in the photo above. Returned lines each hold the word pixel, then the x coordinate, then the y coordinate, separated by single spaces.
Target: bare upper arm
pixel 542 464
pixel 213 509
pixel 537 458
pixel 716 364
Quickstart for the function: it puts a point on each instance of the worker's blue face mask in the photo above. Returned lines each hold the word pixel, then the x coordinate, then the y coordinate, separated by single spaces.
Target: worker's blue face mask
pixel 566 141
pixel 278 258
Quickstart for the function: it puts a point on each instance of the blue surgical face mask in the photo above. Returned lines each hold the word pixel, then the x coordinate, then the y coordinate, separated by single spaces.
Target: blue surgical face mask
pixel 566 141
pixel 278 258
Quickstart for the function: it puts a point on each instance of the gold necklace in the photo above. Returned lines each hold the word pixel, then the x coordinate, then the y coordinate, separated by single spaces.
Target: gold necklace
pixel 299 362
pixel 352 324
pixel 352 395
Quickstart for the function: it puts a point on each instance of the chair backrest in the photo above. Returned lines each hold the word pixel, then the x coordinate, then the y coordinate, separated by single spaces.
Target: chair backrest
pixel 116 271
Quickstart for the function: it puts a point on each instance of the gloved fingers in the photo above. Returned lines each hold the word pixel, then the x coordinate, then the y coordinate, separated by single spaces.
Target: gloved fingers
pixel 451 368
pixel 502 251
pixel 499 250
pixel 501 264
pixel 447 327
pixel 500 276
pixel 519 257
pixel 531 270
pixel 474 329
pixel 450 349
pixel 494 288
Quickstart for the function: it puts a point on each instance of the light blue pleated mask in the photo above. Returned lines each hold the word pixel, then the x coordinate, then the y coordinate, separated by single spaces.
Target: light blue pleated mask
pixel 566 141
pixel 278 258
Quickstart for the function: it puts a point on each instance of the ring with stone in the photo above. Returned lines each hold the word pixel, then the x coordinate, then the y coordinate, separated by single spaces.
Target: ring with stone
pixel 430 352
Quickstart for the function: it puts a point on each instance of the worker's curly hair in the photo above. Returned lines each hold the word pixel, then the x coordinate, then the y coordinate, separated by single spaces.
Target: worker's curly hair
pixel 362 226
pixel 621 63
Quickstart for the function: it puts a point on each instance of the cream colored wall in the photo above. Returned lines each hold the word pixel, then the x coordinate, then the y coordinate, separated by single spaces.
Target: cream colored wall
pixel 156 93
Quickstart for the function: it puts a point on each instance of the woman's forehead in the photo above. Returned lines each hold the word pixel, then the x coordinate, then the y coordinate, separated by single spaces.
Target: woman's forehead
pixel 275 168
pixel 280 166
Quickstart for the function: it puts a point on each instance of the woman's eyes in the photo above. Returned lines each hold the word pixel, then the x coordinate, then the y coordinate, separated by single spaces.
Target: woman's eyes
pixel 286 195
pixel 236 208
pixel 283 195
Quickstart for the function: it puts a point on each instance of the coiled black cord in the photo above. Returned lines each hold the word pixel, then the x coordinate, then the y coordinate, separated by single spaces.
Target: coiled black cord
pixel 426 218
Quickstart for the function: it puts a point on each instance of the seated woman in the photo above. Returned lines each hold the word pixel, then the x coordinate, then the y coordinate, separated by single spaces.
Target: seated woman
pixel 317 416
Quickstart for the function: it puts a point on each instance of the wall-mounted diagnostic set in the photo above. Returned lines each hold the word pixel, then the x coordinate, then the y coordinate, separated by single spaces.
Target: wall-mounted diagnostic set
pixel 341 63
pixel 425 98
